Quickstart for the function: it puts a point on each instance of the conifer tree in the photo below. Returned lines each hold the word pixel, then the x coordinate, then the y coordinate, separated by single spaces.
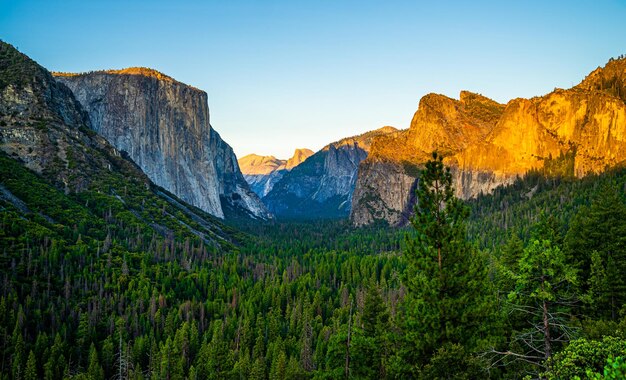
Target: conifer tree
pixel 30 373
pixel 18 353
pixel 446 278
pixel 545 293
pixel 94 371
pixel 601 228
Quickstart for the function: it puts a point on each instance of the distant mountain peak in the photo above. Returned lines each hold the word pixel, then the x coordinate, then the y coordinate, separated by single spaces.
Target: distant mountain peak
pixel 386 129
pixel 299 155
pixel 254 164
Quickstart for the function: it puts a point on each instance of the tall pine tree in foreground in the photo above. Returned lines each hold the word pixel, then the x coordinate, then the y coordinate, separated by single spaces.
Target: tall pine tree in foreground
pixel 447 304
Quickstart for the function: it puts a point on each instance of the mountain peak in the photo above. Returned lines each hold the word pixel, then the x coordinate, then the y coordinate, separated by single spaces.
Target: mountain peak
pixel 254 164
pixel 299 155
pixel 386 129
pixel 449 125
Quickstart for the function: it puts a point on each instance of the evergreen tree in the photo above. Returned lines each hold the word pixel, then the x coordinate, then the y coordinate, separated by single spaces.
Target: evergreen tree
pixel 279 366
pixel 31 368
pixel 544 293
pixel 18 353
pixel 258 370
pixel 95 371
pixel 446 278
pixel 601 228
pixel 371 344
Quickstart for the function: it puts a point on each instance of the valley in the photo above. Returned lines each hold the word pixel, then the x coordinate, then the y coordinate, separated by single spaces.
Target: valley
pixel 135 244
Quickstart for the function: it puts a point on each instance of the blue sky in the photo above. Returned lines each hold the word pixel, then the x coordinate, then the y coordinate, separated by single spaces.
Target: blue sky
pixel 287 74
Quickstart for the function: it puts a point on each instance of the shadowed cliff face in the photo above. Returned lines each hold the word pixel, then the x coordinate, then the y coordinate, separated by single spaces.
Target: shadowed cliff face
pixel 567 133
pixel 322 186
pixel 164 127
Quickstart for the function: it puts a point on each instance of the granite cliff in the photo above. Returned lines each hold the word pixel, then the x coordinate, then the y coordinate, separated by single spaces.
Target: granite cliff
pixel 45 129
pixel 262 172
pixel 570 132
pixel 163 125
pixel 322 185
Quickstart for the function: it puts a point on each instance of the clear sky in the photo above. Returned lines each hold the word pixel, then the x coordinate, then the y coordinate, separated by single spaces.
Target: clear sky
pixel 288 74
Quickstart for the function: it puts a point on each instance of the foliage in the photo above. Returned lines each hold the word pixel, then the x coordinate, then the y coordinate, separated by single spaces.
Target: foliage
pixel 446 279
pixel 123 278
pixel 583 356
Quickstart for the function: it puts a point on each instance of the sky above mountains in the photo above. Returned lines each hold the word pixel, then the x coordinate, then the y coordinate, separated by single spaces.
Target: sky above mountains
pixel 287 74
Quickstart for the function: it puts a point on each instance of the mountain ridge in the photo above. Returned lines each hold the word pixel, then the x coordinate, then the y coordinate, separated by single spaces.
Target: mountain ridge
pixel 569 132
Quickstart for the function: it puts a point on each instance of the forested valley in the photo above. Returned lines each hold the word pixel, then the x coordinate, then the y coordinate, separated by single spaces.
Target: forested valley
pixel 527 282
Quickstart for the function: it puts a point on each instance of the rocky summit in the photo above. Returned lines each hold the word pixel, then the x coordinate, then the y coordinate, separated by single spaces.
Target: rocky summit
pixel 570 132
pixel 262 172
pixel 322 185
pixel 163 125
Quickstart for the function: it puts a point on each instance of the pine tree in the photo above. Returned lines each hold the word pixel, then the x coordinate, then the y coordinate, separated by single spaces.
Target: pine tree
pixel 220 360
pixel 371 347
pixel 31 368
pixel 601 228
pixel 279 365
pixel 446 278
pixel 18 353
pixel 95 370
pixel 257 371
pixel 545 292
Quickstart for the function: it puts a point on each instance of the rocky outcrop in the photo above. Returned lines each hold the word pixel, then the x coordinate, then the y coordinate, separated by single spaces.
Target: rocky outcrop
pixel 322 186
pixel 566 133
pixel 163 126
pixel 262 172
pixel 44 127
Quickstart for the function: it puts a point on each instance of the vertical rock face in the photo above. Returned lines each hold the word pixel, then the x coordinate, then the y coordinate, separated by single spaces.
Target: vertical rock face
pixel 262 172
pixel 164 127
pixel 323 184
pixel 566 133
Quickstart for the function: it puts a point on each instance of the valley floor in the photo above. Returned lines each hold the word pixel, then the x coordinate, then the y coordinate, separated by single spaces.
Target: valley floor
pixel 90 290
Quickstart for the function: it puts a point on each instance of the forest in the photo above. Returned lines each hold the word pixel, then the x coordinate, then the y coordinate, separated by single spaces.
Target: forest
pixel 527 282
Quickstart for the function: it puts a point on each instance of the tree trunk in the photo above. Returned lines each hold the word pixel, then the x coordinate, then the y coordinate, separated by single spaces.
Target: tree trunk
pixel 347 368
pixel 546 326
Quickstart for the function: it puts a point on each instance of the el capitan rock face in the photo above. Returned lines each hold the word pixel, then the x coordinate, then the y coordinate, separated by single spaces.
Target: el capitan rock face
pixel 164 127
pixel 322 185
pixel 262 172
pixel 566 132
